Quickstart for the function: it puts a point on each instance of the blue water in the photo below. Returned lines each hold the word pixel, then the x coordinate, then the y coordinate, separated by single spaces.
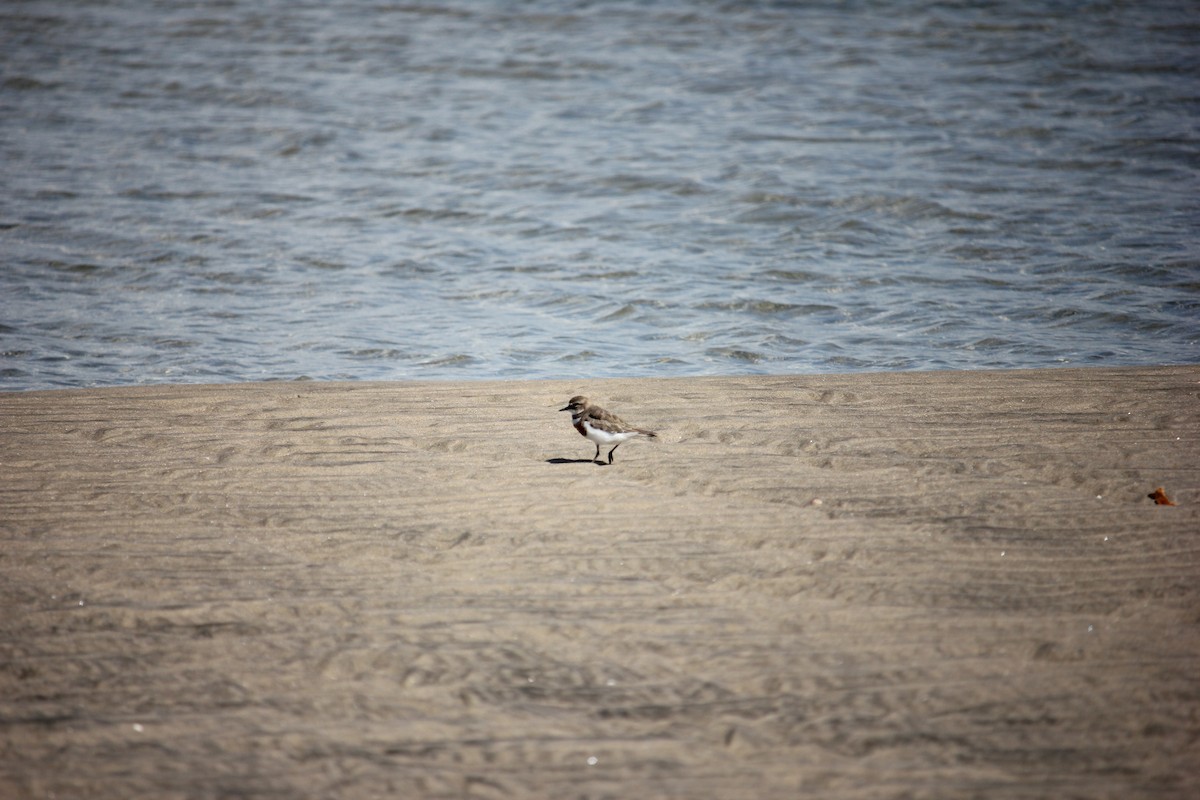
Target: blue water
pixel 225 191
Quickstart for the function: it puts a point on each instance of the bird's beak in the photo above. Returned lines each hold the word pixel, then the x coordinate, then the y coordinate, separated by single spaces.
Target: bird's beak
pixel 568 408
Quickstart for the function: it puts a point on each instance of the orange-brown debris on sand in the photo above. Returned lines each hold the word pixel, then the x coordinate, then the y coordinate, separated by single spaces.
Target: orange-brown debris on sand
pixel 1160 497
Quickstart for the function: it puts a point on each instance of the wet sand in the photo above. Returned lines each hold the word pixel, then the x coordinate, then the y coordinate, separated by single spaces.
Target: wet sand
pixel 918 585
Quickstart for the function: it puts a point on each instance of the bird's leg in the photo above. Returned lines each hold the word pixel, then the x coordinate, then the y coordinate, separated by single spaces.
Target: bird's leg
pixel 610 452
pixel 597 456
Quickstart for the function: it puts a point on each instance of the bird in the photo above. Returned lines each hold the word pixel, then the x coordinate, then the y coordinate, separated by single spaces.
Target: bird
pixel 600 426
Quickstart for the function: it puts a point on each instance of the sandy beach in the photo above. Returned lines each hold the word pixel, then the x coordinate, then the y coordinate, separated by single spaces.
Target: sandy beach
pixel 902 585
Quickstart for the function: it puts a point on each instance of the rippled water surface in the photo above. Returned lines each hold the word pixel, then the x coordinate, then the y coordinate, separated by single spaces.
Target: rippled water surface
pixel 218 191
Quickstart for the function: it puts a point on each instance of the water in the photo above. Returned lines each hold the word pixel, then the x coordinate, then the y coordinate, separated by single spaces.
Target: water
pixel 223 191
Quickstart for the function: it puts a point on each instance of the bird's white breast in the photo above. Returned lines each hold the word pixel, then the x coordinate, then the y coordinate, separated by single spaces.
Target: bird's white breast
pixel 604 437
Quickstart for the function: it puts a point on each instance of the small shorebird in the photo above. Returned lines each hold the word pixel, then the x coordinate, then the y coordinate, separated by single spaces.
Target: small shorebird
pixel 600 426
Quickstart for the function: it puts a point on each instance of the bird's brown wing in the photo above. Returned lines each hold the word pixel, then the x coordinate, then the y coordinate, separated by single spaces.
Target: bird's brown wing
pixel 606 420
pixel 610 422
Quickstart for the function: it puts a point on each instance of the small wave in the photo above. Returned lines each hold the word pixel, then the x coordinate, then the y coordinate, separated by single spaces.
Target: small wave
pixel 582 355
pixel 621 313
pixel 736 354
pixel 454 360
pixel 605 276
pixel 796 275
pixel 23 83
pixel 770 307
pixel 905 207
pixel 377 354
pixel 636 184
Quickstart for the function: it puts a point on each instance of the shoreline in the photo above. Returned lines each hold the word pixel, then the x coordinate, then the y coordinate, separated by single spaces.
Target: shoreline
pixel 939 584
pixel 852 375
